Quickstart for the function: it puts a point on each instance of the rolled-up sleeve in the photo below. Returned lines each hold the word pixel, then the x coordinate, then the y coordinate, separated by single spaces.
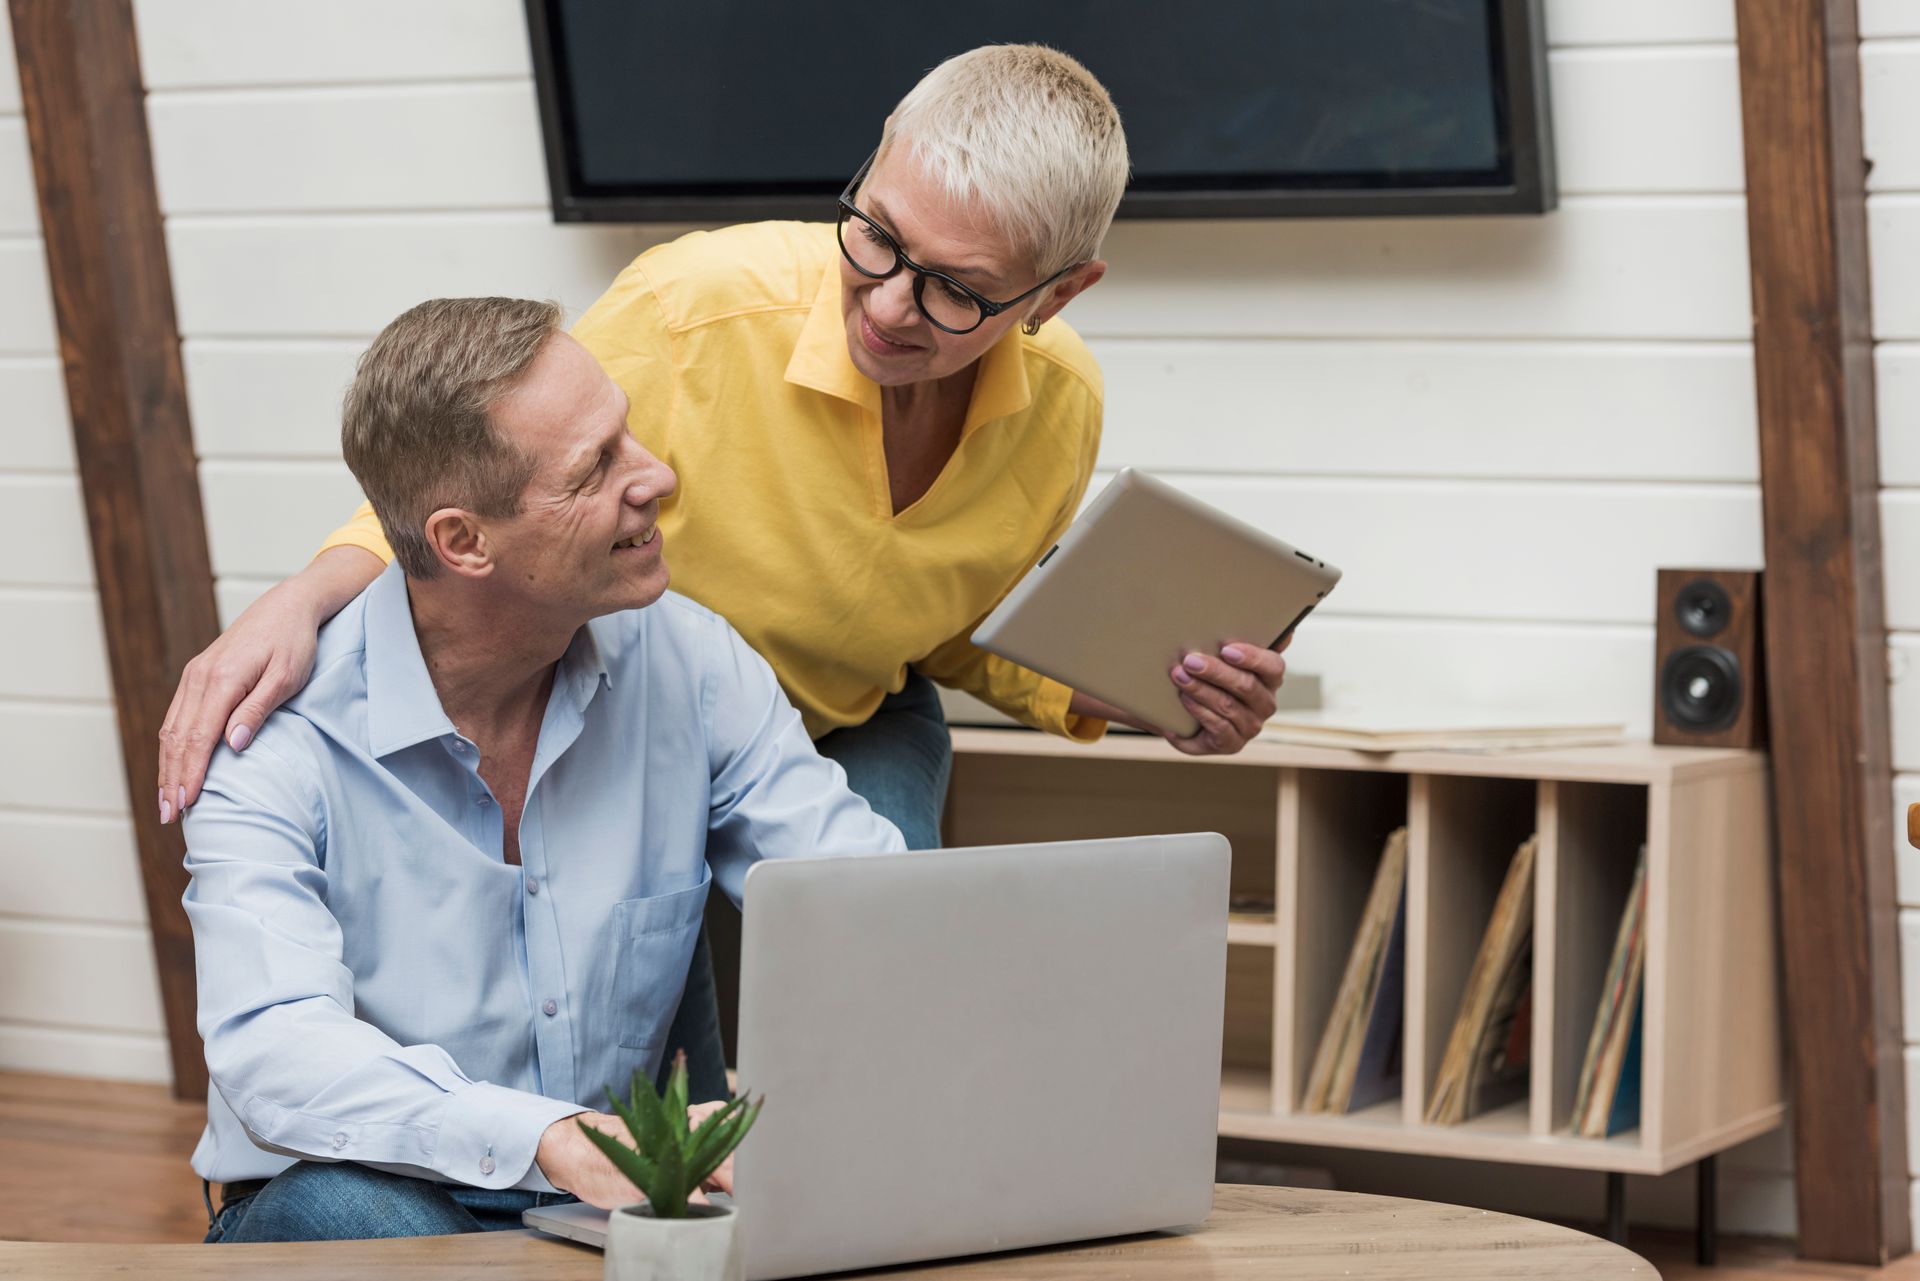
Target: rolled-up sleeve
pixel 276 1004
pixel 773 795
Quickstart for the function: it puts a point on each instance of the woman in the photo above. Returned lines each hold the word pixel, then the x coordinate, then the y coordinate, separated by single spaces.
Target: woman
pixel 877 432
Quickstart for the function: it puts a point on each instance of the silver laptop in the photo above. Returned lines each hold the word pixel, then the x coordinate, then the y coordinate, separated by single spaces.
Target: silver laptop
pixel 974 1050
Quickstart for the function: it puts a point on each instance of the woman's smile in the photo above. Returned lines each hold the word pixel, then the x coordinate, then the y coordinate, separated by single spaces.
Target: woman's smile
pixel 879 343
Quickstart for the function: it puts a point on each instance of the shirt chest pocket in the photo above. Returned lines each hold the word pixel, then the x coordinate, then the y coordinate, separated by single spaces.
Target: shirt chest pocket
pixel 655 938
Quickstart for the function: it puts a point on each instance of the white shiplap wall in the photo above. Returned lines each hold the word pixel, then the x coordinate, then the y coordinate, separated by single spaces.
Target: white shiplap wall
pixel 1352 382
pixel 1890 88
pixel 77 987
pixel 1499 427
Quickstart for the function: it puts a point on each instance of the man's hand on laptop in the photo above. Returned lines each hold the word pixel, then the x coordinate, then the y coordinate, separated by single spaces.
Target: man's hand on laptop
pixel 573 1164
pixel 721 1180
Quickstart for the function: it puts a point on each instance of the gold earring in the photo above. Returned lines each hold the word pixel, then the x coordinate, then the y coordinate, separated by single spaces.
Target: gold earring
pixel 1030 327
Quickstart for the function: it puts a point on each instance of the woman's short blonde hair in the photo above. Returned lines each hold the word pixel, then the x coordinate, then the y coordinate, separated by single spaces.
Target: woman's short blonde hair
pixel 1025 134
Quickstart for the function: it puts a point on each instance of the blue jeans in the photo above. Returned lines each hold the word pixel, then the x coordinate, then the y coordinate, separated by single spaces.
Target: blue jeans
pixel 312 1201
pixel 899 760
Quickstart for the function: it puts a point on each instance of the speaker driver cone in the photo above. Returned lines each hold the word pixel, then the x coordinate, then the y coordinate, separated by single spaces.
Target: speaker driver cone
pixel 1703 608
pixel 1700 688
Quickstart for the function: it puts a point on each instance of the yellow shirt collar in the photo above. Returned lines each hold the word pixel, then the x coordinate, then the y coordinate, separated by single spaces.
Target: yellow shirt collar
pixel 820 361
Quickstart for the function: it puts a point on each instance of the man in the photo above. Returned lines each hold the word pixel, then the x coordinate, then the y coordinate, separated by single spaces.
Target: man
pixel 451 892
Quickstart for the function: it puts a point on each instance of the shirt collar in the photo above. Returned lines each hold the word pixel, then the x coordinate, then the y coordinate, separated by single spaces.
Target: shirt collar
pixel 403 708
pixel 820 361
pixel 585 662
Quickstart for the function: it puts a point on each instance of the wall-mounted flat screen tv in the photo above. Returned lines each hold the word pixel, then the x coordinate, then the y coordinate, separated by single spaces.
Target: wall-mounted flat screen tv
pixel 742 109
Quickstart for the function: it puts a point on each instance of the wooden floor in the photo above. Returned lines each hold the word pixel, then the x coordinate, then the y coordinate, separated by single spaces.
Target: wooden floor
pixel 97 1161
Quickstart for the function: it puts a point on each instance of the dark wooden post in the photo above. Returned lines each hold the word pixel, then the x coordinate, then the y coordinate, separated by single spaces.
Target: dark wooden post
pixel 113 297
pixel 1825 630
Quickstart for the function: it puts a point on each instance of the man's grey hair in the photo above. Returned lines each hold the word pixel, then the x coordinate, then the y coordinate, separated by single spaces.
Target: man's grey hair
pixel 417 429
pixel 1027 135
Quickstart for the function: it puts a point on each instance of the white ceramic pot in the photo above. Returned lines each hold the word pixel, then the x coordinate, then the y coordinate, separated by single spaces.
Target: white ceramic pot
pixel 704 1246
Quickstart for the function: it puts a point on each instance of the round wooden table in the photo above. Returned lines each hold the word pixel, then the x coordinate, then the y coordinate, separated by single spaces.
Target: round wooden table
pixel 1276 1234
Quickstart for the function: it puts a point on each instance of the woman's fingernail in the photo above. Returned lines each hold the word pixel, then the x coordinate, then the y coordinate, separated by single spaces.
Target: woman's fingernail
pixel 181 807
pixel 1180 675
pixel 240 737
pixel 166 810
pixel 1194 663
pixel 1233 653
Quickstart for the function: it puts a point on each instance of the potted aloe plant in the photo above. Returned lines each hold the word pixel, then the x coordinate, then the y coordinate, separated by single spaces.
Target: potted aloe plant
pixel 668 1238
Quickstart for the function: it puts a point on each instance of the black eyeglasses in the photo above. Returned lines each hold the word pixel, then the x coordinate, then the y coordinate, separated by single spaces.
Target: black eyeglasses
pixel 949 305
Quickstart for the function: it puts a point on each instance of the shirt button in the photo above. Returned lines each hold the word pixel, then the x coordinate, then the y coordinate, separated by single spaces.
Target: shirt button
pixel 551 1008
pixel 533 885
pixel 483 800
pixel 339 1140
pixel 486 1165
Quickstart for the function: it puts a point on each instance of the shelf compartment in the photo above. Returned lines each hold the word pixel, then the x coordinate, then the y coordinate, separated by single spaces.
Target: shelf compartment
pixel 1011 799
pixel 1508 1121
pixel 1464 832
pixel 1246 1050
pixel 1002 799
pixel 1590 839
pixel 1333 827
pixel 1244 1092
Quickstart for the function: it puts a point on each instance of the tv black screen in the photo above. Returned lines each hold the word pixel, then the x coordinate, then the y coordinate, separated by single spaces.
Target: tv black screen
pixel 736 109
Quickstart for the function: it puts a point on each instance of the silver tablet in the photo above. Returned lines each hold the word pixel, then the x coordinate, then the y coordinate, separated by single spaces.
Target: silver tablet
pixel 1145 575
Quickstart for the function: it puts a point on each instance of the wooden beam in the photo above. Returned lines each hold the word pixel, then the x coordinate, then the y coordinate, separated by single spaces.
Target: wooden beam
pixel 113 297
pixel 1825 631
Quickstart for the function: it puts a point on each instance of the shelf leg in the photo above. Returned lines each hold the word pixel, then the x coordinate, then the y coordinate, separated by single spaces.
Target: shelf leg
pixel 1617 1208
pixel 1706 1224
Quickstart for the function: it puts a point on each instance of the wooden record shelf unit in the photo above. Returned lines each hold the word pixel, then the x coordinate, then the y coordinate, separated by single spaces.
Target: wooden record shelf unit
pixel 1307 826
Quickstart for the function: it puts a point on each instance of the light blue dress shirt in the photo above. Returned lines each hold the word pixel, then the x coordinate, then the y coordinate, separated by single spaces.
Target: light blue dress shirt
pixel 377 983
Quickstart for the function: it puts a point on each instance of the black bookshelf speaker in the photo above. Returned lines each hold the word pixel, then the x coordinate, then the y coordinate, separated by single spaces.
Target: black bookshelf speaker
pixel 1709 687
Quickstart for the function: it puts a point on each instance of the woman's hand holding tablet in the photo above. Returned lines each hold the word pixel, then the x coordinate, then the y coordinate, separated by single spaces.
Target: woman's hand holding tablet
pixel 1230 696
pixel 1149 608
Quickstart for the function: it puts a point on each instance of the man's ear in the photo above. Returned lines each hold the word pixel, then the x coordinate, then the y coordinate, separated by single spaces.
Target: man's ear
pixel 1069 287
pixel 460 542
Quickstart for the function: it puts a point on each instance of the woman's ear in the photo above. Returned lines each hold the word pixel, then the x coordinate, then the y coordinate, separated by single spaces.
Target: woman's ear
pixel 459 542
pixel 1067 288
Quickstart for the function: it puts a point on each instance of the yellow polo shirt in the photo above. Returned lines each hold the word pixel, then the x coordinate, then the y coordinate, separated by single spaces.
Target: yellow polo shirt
pixel 731 347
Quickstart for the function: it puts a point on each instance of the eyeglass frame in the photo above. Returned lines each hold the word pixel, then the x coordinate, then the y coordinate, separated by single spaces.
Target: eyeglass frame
pixel 988 307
